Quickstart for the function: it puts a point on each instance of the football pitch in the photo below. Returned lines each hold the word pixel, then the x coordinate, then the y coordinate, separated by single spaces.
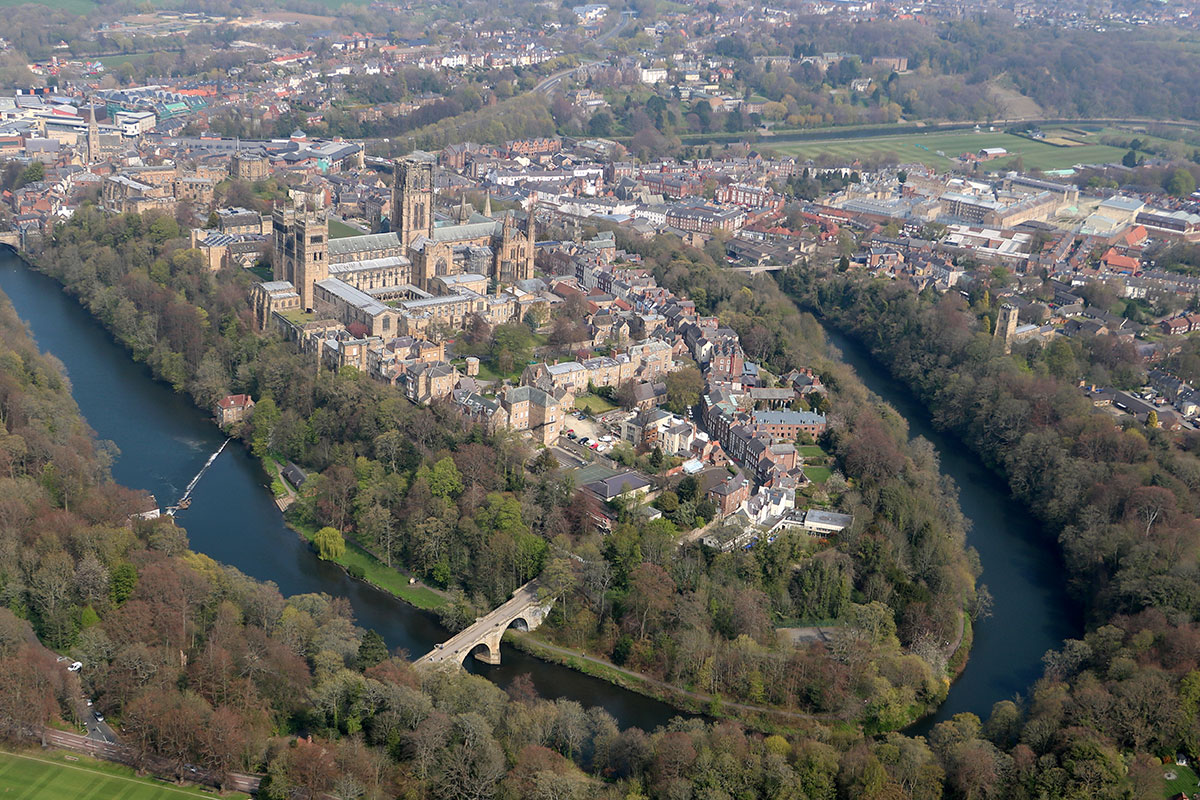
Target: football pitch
pixel 939 149
pixel 51 776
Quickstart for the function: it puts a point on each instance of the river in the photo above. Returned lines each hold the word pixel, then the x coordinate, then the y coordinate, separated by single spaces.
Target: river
pixel 164 440
pixel 1032 612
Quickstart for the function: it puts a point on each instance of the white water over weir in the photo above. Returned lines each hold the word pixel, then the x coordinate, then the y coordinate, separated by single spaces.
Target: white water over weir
pixel 185 500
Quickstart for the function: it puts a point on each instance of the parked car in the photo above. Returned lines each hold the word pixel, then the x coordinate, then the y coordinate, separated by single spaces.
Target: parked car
pixel 99 716
pixel 571 435
pixel 583 440
pixel 75 666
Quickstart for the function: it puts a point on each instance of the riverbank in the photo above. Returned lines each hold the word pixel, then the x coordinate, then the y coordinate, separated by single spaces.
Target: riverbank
pixel 761 718
pixel 362 565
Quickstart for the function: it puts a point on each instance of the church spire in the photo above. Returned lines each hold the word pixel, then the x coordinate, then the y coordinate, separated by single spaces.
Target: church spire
pixel 462 208
pixel 93 137
pixel 487 203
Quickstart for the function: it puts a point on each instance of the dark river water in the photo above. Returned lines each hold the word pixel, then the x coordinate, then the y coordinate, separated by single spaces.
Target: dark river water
pixel 164 440
pixel 1032 613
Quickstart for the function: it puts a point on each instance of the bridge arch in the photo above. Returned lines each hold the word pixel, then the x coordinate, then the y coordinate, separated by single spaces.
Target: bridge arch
pixel 483 651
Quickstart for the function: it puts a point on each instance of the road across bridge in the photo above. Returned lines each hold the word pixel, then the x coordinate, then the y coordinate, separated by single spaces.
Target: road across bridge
pixel 524 611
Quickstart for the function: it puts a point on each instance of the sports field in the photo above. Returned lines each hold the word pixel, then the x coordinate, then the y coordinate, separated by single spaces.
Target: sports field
pixel 939 149
pixel 72 6
pixel 50 776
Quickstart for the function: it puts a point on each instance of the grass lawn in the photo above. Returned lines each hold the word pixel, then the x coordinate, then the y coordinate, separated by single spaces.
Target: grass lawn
pixel 925 148
pixel 489 373
pixel 387 578
pixel 1185 780
pixel 818 474
pixel 811 451
pixel 50 776
pixel 340 230
pixel 263 272
pixel 593 404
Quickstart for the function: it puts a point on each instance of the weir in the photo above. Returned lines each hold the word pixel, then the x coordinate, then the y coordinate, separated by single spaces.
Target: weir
pixel 186 499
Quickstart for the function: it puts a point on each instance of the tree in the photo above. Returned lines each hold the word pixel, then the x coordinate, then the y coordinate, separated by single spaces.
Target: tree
pixel 372 650
pixel 651 594
pixel 33 173
pixel 330 544
pixel 1152 419
pixel 1130 159
pixel 445 480
pixel 683 389
pixel 1181 183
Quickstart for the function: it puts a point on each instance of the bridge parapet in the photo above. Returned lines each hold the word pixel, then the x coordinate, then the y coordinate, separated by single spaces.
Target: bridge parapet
pixel 525 611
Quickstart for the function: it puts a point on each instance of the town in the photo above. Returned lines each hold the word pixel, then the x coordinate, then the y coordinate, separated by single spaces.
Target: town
pixel 616 400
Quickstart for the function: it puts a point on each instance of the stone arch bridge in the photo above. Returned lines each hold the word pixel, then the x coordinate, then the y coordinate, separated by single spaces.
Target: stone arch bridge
pixel 524 611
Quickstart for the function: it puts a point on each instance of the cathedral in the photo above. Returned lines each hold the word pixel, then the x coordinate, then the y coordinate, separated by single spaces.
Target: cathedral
pixel 404 264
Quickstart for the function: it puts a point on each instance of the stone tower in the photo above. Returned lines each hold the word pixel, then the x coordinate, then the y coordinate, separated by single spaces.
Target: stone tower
pixel 93 138
pixel 301 250
pixel 1006 328
pixel 412 199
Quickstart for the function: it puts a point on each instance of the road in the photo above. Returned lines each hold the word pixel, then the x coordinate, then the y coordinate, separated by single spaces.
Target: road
pixel 551 82
pixel 96 730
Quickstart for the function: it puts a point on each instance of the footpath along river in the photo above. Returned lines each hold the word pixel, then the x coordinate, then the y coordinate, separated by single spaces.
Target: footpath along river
pixel 164 441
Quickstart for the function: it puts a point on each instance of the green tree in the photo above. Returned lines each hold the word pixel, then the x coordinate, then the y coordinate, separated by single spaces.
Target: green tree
pixel 33 173
pixel 330 543
pixel 683 389
pixel 1130 159
pixel 1152 419
pixel 262 423
pixel 124 580
pixel 1181 183
pixel 445 480
pixel 372 650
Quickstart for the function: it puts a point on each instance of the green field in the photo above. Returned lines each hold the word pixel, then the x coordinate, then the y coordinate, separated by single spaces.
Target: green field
pixel 340 230
pixel 52 776
pixel 811 451
pixel 924 148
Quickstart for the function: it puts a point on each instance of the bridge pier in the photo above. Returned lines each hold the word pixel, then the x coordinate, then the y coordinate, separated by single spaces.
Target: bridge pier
pixel 492 654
